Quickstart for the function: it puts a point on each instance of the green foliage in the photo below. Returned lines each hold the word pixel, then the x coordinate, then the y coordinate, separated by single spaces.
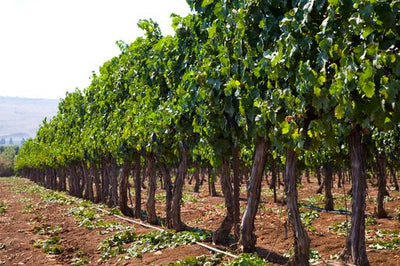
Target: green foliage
pixel 247 259
pixel 388 199
pixel 149 242
pixel 84 213
pixel 341 228
pixel 79 259
pixel 199 261
pixel 316 200
pixel 298 73
pixel 160 197
pixel 301 74
pixel 114 245
pixel 7 155
pixel 116 211
pixel 307 218
pixel 189 198
pixel 3 207
pixel 384 239
pixel 32 208
pixel 370 220
pixel 314 256
pixel 56 197
pixel 45 229
pixel 49 246
pixel 156 240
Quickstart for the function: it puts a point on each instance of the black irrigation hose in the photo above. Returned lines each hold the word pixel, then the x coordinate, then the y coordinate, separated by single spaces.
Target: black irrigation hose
pixel 312 207
pixel 343 212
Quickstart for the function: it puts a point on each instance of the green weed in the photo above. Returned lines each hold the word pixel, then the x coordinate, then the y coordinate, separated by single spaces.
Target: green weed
pixel 370 220
pixel 247 259
pixel 79 259
pixel 56 197
pixel 3 207
pixel 188 198
pixel 341 228
pixel 49 246
pixel 150 242
pixel 198 261
pixel 307 217
pixel 385 239
pixel 313 254
pixel 45 229
pixel 316 200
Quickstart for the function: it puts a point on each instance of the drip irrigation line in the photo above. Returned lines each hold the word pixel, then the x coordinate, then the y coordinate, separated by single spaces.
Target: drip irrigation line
pixel 162 230
pixel 312 207
pixel 140 223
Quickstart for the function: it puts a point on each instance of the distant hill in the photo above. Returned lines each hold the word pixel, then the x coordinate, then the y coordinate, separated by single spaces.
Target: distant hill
pixel 21 117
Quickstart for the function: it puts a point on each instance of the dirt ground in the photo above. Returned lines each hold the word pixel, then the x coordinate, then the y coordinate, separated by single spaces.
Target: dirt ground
pixel 26 211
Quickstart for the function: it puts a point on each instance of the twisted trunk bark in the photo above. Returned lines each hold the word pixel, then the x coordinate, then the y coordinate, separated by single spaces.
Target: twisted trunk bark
pixel 138 187
pixel 355 249
pixel 196 179
pixel 177 223
pixel 96 179
pixel 328 186
pixel 211 183
pixel 123 189
pixel 394 178
pixel 318 174
pixel 273 177
pixel 248 239
pixel 236 192
pixel 114 183
pixel 382 192
pixel 105 181
pixel 151 190
pixel 221 235
pixel 301 240
pixel 168 193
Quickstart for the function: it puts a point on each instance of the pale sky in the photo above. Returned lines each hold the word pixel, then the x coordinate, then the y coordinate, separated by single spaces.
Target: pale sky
pixel 48 47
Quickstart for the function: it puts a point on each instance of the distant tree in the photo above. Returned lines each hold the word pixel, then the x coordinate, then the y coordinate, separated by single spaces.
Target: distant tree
pixel 7 156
